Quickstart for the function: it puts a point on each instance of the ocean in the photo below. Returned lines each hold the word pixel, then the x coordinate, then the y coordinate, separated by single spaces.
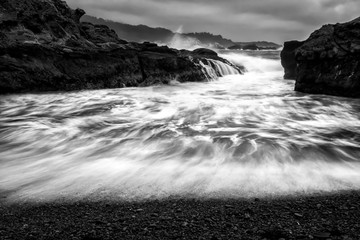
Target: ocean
pixel 239 136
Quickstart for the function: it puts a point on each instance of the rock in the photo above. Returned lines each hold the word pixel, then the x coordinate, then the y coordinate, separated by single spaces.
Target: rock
pixel 68 50
pixel 274 233
pixel 99 34
pixel 78 13
pixel 185 224
pixel 288 58
pixel 322 235
pixel 250 47
pixel 150 44
pixel 44 47
pixel 205 52
pixel 161 49
pixel 327 62
pixel 229 206
pixel 90 237
pixel 262 45
pixel 235 47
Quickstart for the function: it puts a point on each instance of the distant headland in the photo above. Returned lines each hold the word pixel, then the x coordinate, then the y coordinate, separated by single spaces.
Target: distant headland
pixel 141 33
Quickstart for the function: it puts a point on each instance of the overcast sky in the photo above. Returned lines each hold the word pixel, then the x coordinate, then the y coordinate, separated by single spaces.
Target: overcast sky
pixel 239 20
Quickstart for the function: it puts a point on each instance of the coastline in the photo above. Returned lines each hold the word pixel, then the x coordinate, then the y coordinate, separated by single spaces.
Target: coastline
pixel 66 156
pixel 330 216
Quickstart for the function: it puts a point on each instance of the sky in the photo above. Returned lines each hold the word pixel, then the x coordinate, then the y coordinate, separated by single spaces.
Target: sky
pixel 239 20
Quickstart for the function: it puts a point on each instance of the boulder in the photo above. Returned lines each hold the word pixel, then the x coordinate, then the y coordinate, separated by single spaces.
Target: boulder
pixel 328 62
pixel 205 52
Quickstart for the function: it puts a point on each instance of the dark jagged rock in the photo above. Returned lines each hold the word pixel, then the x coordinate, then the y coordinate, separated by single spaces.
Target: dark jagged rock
pixel 235 47
pixel 44 47
pixel 250 47
pixel 288 58
pixel 99 34
pixel 329 61
pixel 259 45
pixel 205 52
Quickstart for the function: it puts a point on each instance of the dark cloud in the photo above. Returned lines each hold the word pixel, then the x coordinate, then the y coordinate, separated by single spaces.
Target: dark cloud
pixel 240 20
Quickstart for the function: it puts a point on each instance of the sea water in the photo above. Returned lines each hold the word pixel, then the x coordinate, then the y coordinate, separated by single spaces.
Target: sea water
pixel 235 137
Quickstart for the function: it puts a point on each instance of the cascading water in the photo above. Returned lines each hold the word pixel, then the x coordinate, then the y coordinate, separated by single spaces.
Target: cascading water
pixel 240 136
pixel 209 71
pixel 214 69
pixel 224 69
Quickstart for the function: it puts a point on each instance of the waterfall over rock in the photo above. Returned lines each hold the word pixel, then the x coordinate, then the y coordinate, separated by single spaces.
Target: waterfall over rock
pixel 214 68
pixel 224 69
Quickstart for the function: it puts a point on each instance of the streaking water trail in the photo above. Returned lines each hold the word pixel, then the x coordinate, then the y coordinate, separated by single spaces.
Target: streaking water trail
pixel 214 68
pixel 223 69
pixel 241 136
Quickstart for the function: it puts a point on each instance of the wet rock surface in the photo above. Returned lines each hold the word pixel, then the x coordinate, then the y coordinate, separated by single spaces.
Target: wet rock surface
pixel 288 58
pixel 327 62
pixel 44 47
pixel 316 217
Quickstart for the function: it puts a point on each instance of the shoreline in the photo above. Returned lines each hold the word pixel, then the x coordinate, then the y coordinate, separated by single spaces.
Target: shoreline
pixel 329 216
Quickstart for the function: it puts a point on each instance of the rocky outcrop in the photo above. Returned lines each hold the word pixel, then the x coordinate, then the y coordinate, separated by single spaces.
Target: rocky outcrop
pixel 288 58
pixel 205 52
pixel 44 47
pixel 259 45
pixel 328 62
pixel 250 47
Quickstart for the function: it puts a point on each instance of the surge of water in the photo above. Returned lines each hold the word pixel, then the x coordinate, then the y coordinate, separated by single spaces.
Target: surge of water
pixel 214 69
pixel 223 69
pixel 209 70
pixel 265 65
pixel 241 136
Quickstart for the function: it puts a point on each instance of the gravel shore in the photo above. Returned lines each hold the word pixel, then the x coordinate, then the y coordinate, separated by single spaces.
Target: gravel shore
pixel 335 216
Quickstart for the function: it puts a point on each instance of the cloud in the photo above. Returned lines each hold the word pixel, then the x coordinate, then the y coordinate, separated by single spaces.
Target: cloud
pixel 240 20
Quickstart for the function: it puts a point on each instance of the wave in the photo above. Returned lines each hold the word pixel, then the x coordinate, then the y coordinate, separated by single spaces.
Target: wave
pixel 255 64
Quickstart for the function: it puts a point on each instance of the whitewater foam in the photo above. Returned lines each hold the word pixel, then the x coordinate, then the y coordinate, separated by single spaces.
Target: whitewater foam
pixel 240 136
